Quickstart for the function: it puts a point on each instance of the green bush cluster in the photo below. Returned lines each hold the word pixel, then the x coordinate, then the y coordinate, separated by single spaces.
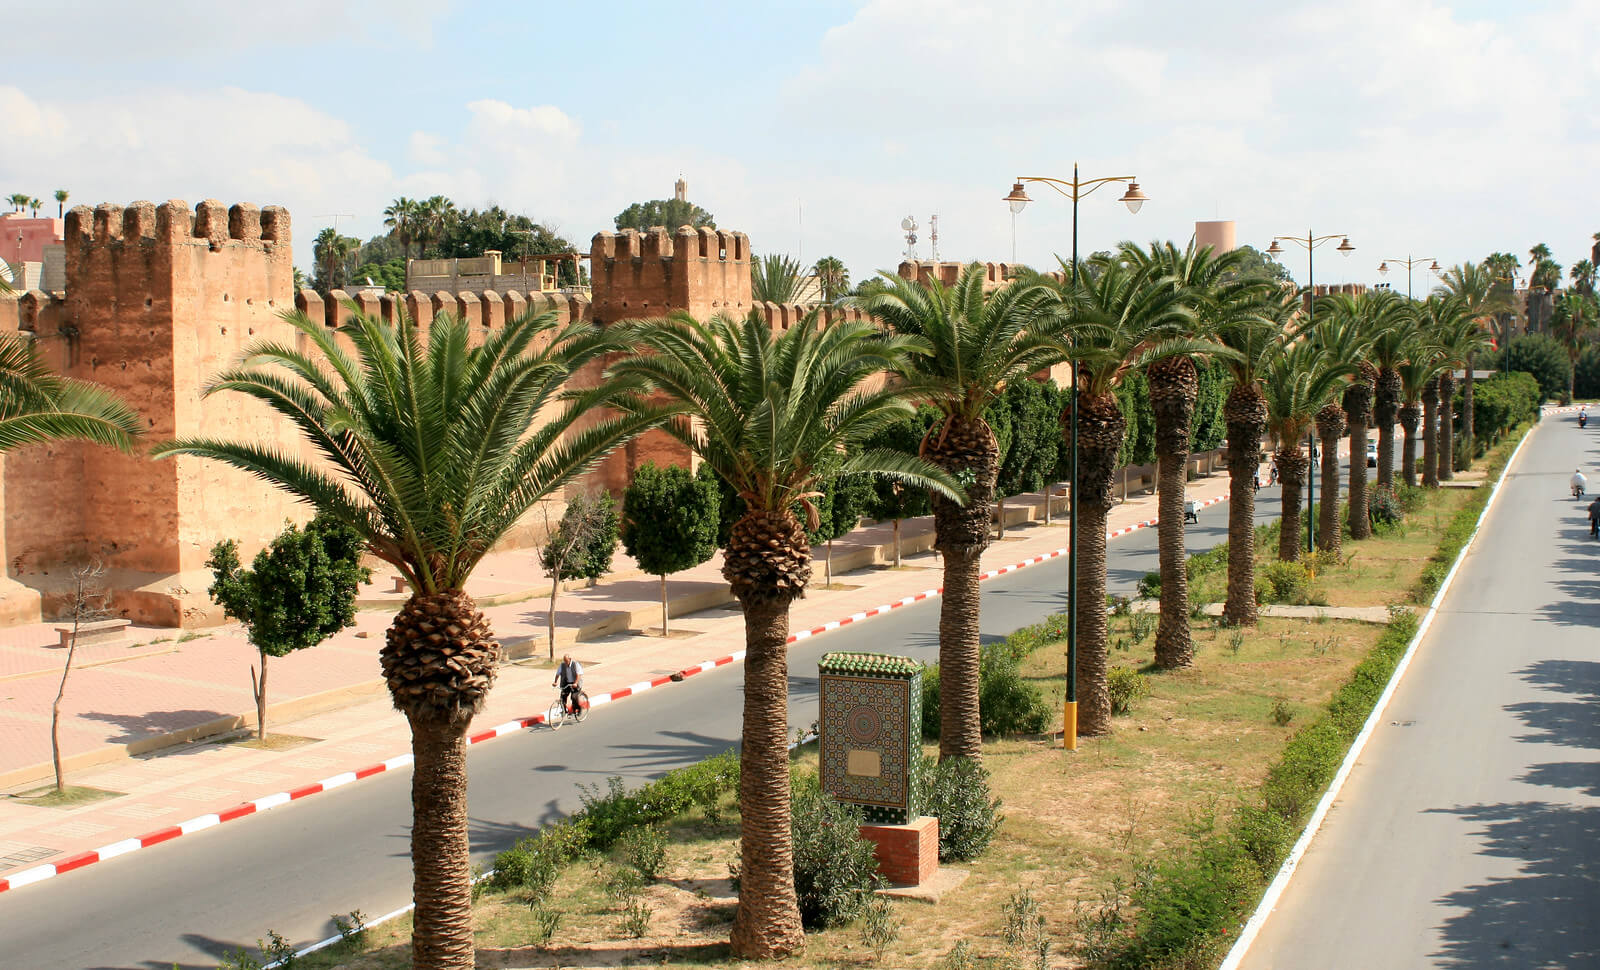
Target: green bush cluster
pixel 835 871
pixel 1586 376
pixel 1283 582
pixel 1544 359
pixel 1501 403
pixel 1188 906
pixel 958 796
pixel 1008 705
pixel 1127 687
pixel 1383 506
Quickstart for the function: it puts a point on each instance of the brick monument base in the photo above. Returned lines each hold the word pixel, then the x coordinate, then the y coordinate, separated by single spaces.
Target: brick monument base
pixel 908 855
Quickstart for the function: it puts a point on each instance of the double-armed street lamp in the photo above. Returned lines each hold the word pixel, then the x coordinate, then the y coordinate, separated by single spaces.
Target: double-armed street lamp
pixel 1134 199
pixel 1309 242
pixel 1383 269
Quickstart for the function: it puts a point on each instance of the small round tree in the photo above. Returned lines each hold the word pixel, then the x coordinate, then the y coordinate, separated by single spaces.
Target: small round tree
pixel 579 547
pixel 299 591
pixel 843 501
pixel 669 522
pixel 890 499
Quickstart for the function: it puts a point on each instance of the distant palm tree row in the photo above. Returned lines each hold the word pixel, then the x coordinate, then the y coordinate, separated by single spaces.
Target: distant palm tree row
pixel 422 221
pixel 429 447
pixel 22 200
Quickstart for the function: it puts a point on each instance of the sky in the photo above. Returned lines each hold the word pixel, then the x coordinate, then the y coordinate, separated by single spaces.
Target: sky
pixel 1444 130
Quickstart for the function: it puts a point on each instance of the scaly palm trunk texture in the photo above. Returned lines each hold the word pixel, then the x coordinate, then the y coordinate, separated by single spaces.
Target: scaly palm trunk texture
pixel 1174 387
pixel 1100 429
pixel 1469 441
pixel 1292 465
pixel 768 563
pixel 1445 462
pixel 1245 413
pixel 1385 407
pixel 1408 448
pixel 1330 428
pixel 439 663
pixel 1358 409
pixel 961 446
pixel 1430 434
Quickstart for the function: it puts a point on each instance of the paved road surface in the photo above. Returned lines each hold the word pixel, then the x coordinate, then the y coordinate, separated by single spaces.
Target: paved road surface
pixel 1468 834
pixel 196 898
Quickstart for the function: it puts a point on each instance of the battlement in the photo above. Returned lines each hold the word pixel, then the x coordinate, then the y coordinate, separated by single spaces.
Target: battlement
pixel 782 316
pixel 172 222
pixel 995 275
pixel 489 309
pixel 646 274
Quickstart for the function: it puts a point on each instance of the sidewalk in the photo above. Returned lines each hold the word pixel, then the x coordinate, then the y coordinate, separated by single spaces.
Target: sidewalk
pixel 118 715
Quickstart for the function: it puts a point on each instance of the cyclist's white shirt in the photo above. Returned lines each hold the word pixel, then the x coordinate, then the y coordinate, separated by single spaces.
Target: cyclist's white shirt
pixel 1577 479
pixel 576 669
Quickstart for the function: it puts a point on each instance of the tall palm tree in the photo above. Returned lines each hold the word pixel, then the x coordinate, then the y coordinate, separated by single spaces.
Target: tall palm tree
pixel 1297 384
pixel 37 404
pixel 774 278
pixel 401 217
pixel 1357 403
pixel 18 200
pixel 769 414
pixel 434 217
pixel 34 204
pixel 1389 320
pixel 1572 324
pixel 1583 274
pixel 1256 338
pixel 1119 317
pixel 430 452
pixel 978 343
pixel 1210 283
pixel 61 202
pixel 1419 399
pixel 1342 341
pixel 1482 298
pixel 833 276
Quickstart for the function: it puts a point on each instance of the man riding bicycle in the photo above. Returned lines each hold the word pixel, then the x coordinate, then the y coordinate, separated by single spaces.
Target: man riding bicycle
pixel 1579 484
pixel 570 676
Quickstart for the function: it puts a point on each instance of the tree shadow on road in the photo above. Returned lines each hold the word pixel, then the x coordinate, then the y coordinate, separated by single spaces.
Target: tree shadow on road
pixel 136 727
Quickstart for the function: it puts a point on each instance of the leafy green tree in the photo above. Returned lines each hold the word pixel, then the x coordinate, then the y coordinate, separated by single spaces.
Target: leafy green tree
pixel 579 547
pixel 299 591
pixel 1545 359
pixel 1208 428
pixel 890 500
pixel 427 447
pixel 1254 262
pixel 669 522
pixel 474 232
pixel 390 275
pixel 833 276
pixel 840 508
pixel 1586 373
pixel 1483 299
pixel 1028 460
pixel 774 278
pixel 668 213
pixel 767 411
pixel 1573 325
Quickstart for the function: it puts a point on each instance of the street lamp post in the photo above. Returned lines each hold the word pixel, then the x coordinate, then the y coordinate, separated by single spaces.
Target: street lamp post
pixel 1383 269
pixel 1134 199
pixel 1309 243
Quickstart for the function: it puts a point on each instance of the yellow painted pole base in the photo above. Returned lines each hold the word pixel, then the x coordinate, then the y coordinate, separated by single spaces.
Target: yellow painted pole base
pixel 1069 725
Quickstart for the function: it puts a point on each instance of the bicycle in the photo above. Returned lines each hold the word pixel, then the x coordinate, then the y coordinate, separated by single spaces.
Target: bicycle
pixel 557 714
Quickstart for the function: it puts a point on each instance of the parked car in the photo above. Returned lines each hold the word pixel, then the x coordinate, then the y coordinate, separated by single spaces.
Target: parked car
pixel 1372 454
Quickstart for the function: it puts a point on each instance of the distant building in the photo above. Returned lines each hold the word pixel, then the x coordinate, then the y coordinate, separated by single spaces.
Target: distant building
pixel 680 189
pixel 22 240
pixel 1219 235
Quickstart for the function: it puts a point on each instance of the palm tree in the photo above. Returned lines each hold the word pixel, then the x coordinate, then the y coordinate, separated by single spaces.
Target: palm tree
pixel 978 344
pixel 1481 298
pixel 400 217
pixel 1357 401
pixel 833 276
pixel 430 452
pixel 1209 282
pixel 1583 274
pixel 1389 320
pixel 434 216
pixel 38 405
pixel 1297 384
pixel 18 200
pixel 1342 342
pixel 61 202
pixel 1571 324
pixel 1119 317
pixel 1419 397
pixel 34 204
pixel 770 414
pixel 1256 338
pixel 774 278
pixel 332 252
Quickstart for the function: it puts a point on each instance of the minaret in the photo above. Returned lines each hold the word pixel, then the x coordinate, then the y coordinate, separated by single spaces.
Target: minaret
pixel 680 189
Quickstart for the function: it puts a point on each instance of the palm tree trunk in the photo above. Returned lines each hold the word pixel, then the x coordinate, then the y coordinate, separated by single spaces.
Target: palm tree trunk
pixel 1101 426
pixel 1174 387
pixel 441 866
pixel 1468 436
pixel 1246 415
pixel 767 923
pixel 1331 424
pixel 1358 408
pixel 1385 406
pixel 1408 449
pixel 1444 461
pixel 1430 434
pixel 961 445
pixel 1292 466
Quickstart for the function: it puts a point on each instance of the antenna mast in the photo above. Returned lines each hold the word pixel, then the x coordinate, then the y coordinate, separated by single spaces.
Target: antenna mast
pixel 933 235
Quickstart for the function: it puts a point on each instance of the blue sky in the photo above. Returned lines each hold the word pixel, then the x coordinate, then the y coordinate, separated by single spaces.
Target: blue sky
pixel 1439 129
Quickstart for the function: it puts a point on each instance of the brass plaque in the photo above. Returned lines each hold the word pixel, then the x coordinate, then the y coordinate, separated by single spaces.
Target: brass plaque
pixel 863 763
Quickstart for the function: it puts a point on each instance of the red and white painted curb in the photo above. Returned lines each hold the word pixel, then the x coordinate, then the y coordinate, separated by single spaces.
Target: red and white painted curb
pixel 1565 409
pixel 254 807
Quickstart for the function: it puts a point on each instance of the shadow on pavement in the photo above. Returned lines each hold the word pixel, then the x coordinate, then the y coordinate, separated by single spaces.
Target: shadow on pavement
pixel 135 727
pixel 1571 723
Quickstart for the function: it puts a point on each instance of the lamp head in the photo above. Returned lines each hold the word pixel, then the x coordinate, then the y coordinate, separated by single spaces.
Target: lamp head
pixel 1274 250
pixel 1134 199
pixel 1345 247
pixel 1018 199
pixel 1383 268
pixel 1435 267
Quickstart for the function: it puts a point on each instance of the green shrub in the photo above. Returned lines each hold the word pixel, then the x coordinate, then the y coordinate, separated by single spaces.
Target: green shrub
pixel 1212 560
pixel 645 849
pixel 1150 586
pixel 1286 582
pixel 1008 705
pixel 958 796
pixel 1501 403
pixel 835 872
pixel 1127 686
pixel 1383 506
pixel 535 862
pixel 1542 358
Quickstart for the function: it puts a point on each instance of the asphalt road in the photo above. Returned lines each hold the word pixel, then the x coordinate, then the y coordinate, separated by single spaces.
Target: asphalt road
pixel 194 899
pixel 1468 833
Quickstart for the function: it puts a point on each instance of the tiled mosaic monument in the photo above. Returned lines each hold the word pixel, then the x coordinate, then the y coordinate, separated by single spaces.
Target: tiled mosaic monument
pixel 871 734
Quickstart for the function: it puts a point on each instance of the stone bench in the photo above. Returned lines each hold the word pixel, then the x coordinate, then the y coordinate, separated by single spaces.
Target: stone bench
pixel 96 633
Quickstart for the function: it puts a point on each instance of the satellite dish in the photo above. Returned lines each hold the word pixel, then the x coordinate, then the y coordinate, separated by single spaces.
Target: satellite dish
pixel 369 282
pixel 908 223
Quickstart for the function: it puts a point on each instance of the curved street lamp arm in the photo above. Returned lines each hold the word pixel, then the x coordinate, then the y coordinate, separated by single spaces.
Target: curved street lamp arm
pixel 1079 187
